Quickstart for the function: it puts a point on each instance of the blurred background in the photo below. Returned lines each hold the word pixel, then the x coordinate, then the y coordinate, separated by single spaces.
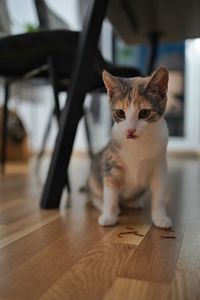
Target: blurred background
pixel 33 104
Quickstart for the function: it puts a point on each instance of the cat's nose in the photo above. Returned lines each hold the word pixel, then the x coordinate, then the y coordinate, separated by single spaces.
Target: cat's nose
pixel 131 131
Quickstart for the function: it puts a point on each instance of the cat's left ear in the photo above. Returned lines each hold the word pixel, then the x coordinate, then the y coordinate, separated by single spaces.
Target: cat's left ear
pixel 112 84
pixel 159 80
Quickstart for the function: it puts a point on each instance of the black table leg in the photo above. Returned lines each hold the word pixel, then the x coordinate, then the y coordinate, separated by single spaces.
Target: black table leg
pixel 154 39
pixel 81 79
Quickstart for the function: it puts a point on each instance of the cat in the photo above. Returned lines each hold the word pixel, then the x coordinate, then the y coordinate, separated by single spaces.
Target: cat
pixel 134 160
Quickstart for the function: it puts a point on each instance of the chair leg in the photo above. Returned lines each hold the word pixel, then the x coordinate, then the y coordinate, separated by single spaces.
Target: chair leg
pixel 57 110
pixel 44 141
pixel 45 137
pixel 54 82
pixel 4 127
pixel 82 76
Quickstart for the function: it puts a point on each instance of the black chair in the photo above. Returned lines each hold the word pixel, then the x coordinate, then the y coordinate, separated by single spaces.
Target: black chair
pixel 35 55
pixel 47 55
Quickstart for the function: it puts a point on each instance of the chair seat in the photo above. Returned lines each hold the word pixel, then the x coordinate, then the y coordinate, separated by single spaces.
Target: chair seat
pixel 22 53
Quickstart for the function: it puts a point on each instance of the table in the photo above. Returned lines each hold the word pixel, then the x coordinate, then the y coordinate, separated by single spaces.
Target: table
pixel 175 20
pixel 134 20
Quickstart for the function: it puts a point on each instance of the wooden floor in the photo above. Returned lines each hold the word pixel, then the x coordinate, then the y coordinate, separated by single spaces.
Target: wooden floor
pixel 66 255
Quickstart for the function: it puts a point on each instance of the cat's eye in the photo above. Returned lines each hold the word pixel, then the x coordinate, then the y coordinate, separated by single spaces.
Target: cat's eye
pixel 120 114
pixel 144 113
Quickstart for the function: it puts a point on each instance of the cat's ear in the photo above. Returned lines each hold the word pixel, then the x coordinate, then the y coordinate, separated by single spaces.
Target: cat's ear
pixel 112 84
pixel 158 82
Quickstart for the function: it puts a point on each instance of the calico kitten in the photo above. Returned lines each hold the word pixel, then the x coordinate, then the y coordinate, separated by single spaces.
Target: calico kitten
pixel 135 158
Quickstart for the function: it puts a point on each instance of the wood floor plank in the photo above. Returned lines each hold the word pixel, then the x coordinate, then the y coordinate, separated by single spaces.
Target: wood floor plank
pixel 155 258
pixel 32 244
pixel 129 289
pixel 13 183
pixel 15 169
pixel 14 203
pixel 67 255
pixel 131 234
pixel 14 214
pixel 186 284
pixel 25 226
pixel 92 276
pixel 47 254
pixel 68 224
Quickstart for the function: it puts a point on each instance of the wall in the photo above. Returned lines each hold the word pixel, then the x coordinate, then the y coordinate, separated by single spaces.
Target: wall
pixel 191 141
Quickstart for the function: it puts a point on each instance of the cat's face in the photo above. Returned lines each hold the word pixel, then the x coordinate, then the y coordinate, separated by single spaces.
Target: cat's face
pixel 136 103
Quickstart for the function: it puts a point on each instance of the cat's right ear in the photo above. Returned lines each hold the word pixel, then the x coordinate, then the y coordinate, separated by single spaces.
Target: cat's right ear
pixel 112 84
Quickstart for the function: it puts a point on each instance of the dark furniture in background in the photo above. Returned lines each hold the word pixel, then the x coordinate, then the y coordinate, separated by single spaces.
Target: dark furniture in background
pixel 49 59
pixel 53 58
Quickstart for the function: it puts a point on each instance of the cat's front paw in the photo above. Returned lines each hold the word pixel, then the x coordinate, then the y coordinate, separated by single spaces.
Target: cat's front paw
pixel 107 220
pixel 161 220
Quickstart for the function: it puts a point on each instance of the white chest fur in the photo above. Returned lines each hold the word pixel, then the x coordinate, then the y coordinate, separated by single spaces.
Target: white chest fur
pixel 140 155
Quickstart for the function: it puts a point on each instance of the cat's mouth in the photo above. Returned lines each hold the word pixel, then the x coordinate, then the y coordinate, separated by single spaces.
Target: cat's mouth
pixel 131 136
